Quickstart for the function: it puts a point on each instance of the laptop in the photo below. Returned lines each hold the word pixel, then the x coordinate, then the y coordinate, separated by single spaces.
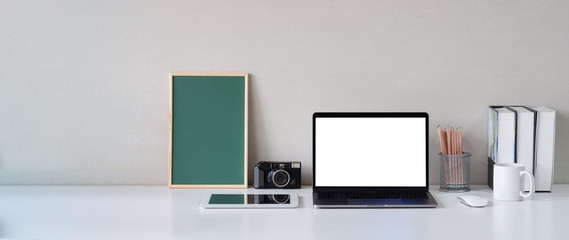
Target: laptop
pixel 374 160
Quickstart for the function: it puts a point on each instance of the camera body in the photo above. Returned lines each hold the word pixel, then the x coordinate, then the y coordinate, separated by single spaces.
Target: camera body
pixel 277 175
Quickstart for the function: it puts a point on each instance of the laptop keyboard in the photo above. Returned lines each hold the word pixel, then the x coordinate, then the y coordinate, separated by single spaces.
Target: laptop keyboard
pixel 374 195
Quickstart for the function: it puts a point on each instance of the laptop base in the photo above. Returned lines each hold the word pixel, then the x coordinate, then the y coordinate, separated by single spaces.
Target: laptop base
pixel 428 202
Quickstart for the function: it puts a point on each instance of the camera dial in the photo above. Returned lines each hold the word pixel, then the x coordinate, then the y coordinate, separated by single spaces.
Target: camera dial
pixel 279 177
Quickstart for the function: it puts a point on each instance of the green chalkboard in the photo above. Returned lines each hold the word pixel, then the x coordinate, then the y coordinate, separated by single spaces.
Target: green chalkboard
pixel 208 130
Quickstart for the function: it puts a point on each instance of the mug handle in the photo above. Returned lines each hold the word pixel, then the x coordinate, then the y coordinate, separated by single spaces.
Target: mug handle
pixel 531 184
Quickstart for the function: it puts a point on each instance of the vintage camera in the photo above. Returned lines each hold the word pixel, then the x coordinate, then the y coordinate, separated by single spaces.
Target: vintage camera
pixel 277 175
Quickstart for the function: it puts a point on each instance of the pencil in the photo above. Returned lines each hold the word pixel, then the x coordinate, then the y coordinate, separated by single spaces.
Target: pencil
pixel 460 137
pixel 448 141
pixel 460 152
pixel 442 141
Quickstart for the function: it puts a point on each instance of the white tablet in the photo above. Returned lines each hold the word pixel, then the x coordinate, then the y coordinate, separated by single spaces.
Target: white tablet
pixel 249 200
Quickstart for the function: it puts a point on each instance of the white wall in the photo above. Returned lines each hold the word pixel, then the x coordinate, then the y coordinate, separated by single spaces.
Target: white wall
pixel 84 84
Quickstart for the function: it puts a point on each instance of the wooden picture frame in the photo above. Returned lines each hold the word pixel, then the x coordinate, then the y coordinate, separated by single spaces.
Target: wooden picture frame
pixel 208 130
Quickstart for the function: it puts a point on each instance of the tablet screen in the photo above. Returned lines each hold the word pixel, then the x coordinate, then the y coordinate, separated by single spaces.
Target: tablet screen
pixel 241 199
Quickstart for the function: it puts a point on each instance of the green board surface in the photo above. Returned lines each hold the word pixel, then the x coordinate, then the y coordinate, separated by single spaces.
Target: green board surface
pixel 208 130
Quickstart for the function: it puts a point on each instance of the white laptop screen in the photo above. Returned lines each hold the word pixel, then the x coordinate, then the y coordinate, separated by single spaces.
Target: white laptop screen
pixel 370 152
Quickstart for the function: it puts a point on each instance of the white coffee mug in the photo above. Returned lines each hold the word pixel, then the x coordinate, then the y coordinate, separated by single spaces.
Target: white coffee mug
pixel 508 184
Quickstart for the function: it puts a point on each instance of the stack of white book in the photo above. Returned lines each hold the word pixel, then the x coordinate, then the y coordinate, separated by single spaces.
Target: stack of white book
pixel 525 135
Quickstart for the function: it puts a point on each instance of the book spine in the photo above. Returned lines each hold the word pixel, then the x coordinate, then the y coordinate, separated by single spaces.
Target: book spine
pixel 492 142
pixel 545 148
pixel 491 133
pixel 506 147
pixel 525 138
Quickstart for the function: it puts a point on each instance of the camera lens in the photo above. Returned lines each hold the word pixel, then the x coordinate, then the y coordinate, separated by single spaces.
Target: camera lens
pixel 280 177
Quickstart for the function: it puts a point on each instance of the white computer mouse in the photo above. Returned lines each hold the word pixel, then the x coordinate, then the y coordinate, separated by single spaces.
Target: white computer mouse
pixel 473 200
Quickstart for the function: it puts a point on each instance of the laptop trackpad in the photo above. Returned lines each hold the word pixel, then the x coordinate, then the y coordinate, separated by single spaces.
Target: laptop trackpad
pixel 387 201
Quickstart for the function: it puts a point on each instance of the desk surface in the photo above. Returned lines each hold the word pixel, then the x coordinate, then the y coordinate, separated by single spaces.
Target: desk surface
pixel 156 212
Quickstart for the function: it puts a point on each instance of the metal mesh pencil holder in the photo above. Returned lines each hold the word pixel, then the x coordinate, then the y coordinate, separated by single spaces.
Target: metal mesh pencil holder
pixel 455 172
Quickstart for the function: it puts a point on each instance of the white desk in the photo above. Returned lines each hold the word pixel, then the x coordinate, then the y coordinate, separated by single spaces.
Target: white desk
pixel 156 212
